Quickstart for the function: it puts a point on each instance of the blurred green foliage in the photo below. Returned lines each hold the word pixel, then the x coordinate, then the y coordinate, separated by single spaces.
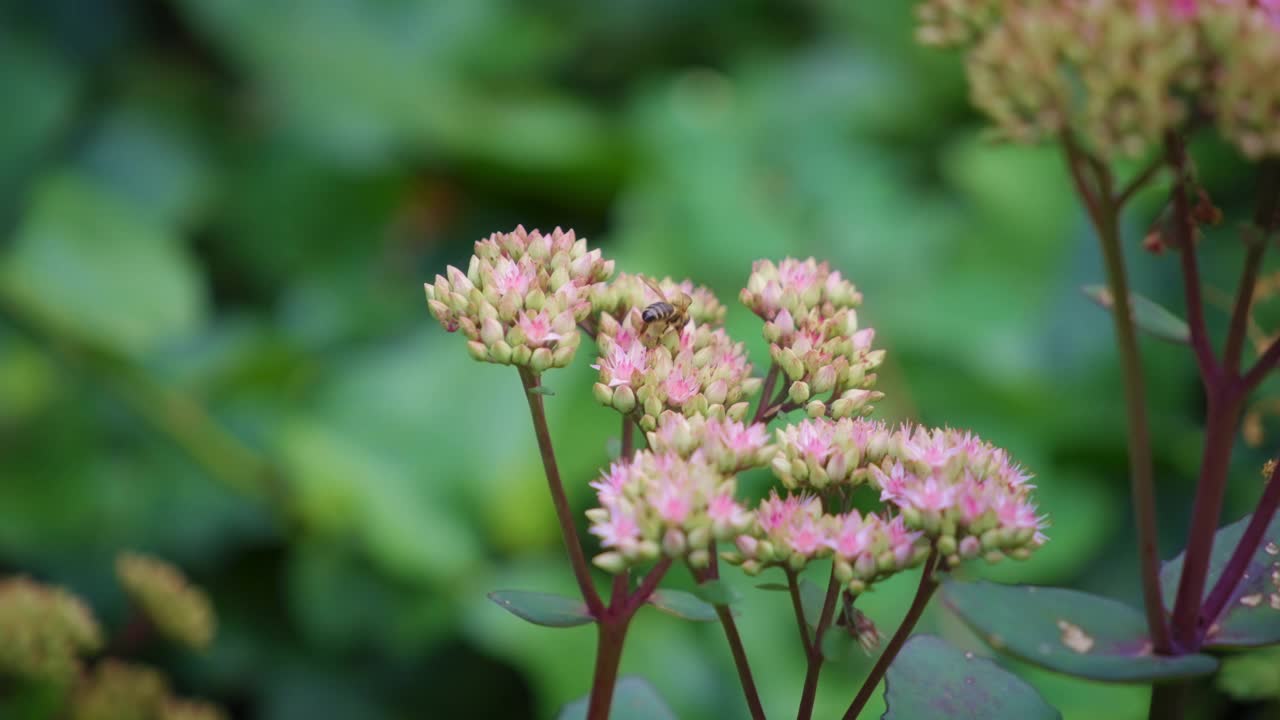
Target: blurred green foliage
pixel 215 219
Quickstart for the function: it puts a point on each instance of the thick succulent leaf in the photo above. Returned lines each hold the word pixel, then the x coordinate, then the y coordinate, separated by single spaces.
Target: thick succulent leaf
pixel 1148 315
pixel 633 699
pixel 1251 616
pixel 931 679
pixel 1068 631
pixel 683 605
pixel 717 592
pixel 542 608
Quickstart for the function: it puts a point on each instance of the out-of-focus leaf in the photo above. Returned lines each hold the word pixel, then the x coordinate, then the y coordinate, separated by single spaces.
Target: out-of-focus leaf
pixel 1251 677
pixel 1251 616
pixel 1068 631
pixel 931 679
pixel 633 699
pixel 542 608
pixel 773 587
pixel 837 644
pixel 1148 315
pixel 682 605
pixel 812 598
pixel 717 592
pixel 86 262
pixel 34 79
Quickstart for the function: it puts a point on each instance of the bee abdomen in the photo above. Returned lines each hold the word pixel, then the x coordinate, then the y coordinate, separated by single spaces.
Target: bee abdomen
pixel 657 311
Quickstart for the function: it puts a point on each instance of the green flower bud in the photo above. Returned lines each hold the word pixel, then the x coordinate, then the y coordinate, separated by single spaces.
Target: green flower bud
pixel 798 392
pixel 500 352
pixel 816 409
pixel 604 394
pixel 624 400
pixel 541 360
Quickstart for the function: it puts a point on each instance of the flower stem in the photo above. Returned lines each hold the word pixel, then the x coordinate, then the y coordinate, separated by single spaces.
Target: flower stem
pixel 793 585
pixel 568 531
pixel 1244 552
pixel 1106 222
pixel 924 591
pixel 609 639
pixel 815 658
pixel 628 438
pixel 766 390
pixel 725 613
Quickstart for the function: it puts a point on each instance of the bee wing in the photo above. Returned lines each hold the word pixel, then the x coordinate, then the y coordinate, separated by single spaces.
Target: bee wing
pixel 662 296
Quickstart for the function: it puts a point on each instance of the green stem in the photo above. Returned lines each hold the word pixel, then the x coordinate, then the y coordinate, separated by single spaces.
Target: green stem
pixel 568 530
pixel 924 591
pixel 1106 223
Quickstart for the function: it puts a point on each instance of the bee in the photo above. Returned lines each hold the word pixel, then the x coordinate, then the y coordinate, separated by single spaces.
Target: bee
pixel 668 312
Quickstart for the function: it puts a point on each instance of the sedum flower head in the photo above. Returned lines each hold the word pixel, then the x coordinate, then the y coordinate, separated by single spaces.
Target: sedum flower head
pixel 176 709
pixel 1246 88
pixel 116 689
pixel 965 494
pixel 730 445
pixel 955 23
pixel 522 297
pixel 180 611
pixel 662 503
pixel 816 453
pixel 797 286
pixel 1118 73
pixel 628 292
pixel 44 631
pixel 697 370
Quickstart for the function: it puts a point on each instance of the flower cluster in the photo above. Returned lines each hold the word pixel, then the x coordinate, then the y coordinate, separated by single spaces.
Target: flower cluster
pixel 816 453
pixel 964 493
pixel 628 292
pixel 177 609
pixel 659 503
pixel 793 530
pixel 522 297
pixel 44 631
pixel 694 370
pixel 729 445
pixel 1118 74
pixel 114 686
pixel 813 335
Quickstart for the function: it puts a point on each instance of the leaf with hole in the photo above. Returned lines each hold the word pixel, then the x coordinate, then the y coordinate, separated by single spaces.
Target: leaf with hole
pixel 1068 631
pixel 931 679
pixel 1148 316
pixel 1251 617
pixel 683 605
pixel 542 608
pixel 633 699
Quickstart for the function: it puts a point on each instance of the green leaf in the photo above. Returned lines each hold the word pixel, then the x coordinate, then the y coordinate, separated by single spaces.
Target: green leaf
pixel 541 390
pixel 837 644
pixel 717 592
pixel 773 587
pixel 931 679
pixel 99 268
pixel 1148 315
pixel 542 608
pixel 1251 616
pixel 1068 631
pixel 683 605
pixel 633 699
pixel 1253 676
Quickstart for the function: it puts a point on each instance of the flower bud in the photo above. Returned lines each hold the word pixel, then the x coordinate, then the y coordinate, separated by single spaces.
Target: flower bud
pixel 624 400
pixel 799 392
pixel 673 543
pixel 816 409
pixel 603 394
pixel 541 360
pixel 700 559
pixel 611 562
pixel 500 352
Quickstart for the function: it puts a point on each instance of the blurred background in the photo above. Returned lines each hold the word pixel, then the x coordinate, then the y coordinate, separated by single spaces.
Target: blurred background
pixel 216 217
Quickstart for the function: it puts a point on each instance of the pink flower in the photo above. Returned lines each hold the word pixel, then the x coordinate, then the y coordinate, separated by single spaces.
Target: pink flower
pixel 930 495
pixel 618 531
pixel 814 440
pixel 724 509
pixel 512 278
pixel 609 486
pixel 805 536
pixel 798 275
pixel 854 536
pixel 892 485
pixel 537 329
pixel 681 385
pixel 901 540
pixel 621 364
pixel 739 438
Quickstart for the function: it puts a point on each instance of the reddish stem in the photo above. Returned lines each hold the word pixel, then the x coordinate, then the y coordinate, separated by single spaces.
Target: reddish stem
pixel 766 390
pixel 815 658
pixel 924 591
pixel 1254 533
pixel 793 585
pixel 1185 227
pixel 725 613
pixel 609 640
pixel 568 531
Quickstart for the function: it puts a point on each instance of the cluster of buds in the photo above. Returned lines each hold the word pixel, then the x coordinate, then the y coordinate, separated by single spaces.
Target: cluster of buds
pixel 628 292
pixel 180 611
pixel 522 297
pixel 694 370
pixel 44 631
pixel 1246 88
pixel 660 503
pixel 964 494
pixel 729 445
pixel 115 690
pixel 1117 74
pixel 816 453
pixel 813 335
pixel 955 23
pixel 794 530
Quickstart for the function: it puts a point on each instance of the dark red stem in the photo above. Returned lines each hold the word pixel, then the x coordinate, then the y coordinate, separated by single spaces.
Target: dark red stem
pixel 609 639
pixel 725 613
pixel 810 693
pixel 923 592
pixel 766 391
pixel 793 585
pixel 1254 532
